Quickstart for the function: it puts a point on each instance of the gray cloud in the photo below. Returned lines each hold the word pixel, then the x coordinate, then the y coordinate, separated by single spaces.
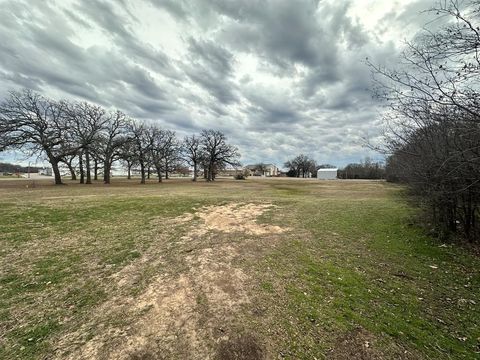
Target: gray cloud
pixel 279 77
pixel 211 67
pixel 174 7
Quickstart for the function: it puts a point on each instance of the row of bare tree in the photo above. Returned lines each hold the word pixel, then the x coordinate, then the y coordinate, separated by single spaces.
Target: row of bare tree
pixel 301 166
pixel 433 118
pixel 366 169
pixel 90 138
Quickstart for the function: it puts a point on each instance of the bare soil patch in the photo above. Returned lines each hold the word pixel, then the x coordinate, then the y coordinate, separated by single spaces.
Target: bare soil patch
pixel 243 347
pixel 189 312
pixel 238 218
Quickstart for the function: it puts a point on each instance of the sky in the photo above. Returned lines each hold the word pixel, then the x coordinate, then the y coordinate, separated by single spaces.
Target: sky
pixel 278 77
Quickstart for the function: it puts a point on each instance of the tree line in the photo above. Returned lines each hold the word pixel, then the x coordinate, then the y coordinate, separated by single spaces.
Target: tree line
pixel 303 166
pixel 367 169
pixel 432 122
pixel 15 168
pixel 88 137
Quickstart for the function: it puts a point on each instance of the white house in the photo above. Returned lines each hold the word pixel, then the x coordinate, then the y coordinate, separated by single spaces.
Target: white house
pixel 327 174
pixel 268 170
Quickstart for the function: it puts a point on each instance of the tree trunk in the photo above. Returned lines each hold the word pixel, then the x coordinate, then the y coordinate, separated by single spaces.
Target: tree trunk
pixel 87 165
pixel 159 173
pixel 129 171
pixel 166 170
pixel 194 171
pixel 106 172
pixel 210 172
pixel 72 170
pixel 95 169
pixel 142 170
pixel 56 172
pixel 82 171
pixel 148 173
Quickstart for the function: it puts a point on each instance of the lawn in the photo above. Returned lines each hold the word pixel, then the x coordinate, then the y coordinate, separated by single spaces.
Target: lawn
pixel 262 268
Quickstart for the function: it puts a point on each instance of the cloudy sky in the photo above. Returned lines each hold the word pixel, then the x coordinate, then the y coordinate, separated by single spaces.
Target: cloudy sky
pixel 279 77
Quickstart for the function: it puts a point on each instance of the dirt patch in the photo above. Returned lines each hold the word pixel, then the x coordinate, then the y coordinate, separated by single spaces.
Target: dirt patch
pixel 244 347
pixel 182 315
pixel 238 218
pixel 186 312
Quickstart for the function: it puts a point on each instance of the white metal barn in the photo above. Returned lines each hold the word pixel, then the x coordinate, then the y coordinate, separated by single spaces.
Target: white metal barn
pixel 327 174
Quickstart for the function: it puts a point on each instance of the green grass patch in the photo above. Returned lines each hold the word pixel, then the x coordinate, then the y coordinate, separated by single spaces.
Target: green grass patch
pixel 350 259
pixel 361 264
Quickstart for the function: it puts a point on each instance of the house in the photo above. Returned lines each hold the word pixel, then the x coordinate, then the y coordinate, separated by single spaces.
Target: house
pixel 263 170
pixel 327 174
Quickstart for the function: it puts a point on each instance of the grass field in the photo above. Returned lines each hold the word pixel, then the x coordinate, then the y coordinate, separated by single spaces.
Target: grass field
pixel 276 268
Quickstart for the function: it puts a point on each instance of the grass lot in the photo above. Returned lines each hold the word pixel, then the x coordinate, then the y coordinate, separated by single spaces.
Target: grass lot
pixel 279 268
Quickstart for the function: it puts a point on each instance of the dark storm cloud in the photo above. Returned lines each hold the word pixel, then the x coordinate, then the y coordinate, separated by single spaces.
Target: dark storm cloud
pixel 217 87
pixel 33 83
pixel 269 111
pixel 278 76
pixel 284 33
pixel 105 15
pixel 296 32
pixel 96 74
pixel 212 55
pixel 211 66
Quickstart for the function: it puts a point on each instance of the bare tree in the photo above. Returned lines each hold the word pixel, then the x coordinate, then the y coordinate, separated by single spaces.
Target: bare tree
pixel 438 66
pixel 127 154
pixel 88 120
pixel 110 140
pixel 192 153
pixel 138 136
pixel 301 166
pixel 69 161
pixel 293 169
pixel 433 117
pixel 157 146
pixel 366 169
pixel 38 126
pixel 65 132
pixel 171 151
pixel 218 153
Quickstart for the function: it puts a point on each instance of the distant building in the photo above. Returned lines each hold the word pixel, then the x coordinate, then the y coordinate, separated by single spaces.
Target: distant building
pixel 45 171
pixel 327 174
pixel 268 170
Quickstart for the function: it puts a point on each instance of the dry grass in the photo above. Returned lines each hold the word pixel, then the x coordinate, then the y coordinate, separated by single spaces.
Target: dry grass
pixel 227 270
